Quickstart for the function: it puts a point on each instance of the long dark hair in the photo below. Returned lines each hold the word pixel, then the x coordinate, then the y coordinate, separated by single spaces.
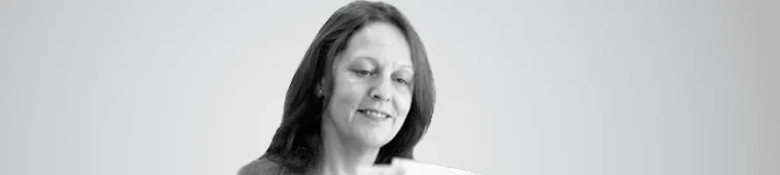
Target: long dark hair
pixel 296 145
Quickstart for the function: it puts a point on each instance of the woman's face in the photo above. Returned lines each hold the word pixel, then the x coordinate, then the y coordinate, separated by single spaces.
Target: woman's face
pixel 372 86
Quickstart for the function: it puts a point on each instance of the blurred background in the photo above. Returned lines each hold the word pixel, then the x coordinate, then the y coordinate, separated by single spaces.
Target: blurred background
pixel 554 87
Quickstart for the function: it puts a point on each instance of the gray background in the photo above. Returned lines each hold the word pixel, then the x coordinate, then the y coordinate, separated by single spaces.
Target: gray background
pixel 524 87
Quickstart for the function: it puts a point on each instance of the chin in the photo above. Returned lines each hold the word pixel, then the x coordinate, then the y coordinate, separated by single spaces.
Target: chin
pixel 374 140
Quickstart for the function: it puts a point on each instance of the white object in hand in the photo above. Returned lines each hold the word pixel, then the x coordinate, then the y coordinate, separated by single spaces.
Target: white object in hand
pixel 402 166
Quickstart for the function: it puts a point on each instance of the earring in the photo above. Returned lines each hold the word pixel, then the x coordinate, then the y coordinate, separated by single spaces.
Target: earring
pixel 319 92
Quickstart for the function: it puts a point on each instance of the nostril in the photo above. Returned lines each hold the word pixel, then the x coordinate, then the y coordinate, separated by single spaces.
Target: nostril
pixel 379 97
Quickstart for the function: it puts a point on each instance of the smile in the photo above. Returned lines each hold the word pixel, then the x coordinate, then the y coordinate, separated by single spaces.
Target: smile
pixel 374 113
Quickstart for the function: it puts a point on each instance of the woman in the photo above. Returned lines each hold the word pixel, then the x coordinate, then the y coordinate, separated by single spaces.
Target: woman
pixel 363 95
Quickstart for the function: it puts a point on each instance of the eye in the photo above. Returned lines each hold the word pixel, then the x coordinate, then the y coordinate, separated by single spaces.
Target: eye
pixel 402 81
pixel 363 73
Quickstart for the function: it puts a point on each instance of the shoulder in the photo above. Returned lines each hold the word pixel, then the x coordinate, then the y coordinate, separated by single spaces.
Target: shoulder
pixel 261 166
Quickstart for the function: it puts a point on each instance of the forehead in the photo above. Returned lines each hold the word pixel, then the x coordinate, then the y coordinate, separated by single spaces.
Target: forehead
pixel 382 41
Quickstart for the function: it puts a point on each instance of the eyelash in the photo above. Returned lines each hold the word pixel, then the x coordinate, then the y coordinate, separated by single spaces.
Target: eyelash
pixel 363 73
pixel 402 81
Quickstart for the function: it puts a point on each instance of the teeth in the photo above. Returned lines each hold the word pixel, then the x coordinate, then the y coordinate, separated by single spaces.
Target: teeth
pixel 375 114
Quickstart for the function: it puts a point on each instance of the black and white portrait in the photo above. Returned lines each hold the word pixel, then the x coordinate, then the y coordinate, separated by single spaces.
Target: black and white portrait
pixel 345 87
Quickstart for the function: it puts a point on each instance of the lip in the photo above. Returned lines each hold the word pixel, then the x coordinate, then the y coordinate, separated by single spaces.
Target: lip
pixel 379 111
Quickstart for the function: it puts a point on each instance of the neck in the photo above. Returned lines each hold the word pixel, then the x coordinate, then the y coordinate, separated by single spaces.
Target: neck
pixel 343 156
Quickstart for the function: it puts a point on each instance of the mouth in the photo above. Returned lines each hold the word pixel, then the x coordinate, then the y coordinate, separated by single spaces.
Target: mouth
pixel 374 113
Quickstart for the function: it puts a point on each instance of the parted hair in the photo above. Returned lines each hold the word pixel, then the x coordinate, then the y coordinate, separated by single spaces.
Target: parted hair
pixel 297 144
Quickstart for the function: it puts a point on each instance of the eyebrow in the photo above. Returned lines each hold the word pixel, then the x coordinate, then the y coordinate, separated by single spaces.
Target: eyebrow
pixel 408 66
pixel 374 61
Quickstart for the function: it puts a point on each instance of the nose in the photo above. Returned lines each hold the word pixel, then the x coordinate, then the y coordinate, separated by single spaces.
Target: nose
pixel 381 90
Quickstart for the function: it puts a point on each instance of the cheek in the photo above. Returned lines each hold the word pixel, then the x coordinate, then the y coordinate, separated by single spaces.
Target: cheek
pixel 345 99
pixel 403 105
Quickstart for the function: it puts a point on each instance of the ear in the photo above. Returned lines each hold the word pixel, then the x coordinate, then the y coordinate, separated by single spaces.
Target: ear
pixel 323 93
pixel 318 90
pixel 321 90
